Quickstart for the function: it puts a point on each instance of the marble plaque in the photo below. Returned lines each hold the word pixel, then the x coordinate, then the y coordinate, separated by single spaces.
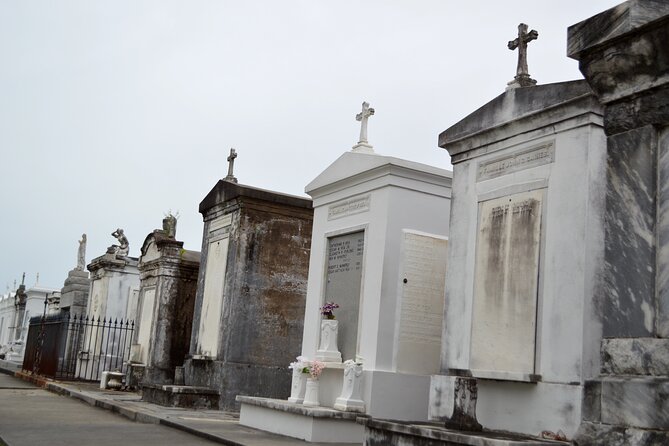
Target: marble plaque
pixel 525 159
pixel 348 207
pixel 212 302
pixel 220 222
pixel 422 304
pixel 344 275
pixel 146 322
pixel 506 281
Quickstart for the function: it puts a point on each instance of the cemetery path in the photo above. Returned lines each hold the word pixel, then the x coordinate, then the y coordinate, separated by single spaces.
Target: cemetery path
pixel 69 413
pixel 31 416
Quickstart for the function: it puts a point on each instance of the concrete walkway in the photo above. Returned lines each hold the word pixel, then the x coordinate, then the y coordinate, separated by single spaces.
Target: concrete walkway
pixel 216 426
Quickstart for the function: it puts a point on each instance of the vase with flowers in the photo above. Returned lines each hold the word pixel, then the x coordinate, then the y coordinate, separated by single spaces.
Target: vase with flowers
pixel 314 368
pixel 327 350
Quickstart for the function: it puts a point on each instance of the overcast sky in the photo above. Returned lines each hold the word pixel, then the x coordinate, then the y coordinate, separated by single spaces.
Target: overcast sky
pixel 114 112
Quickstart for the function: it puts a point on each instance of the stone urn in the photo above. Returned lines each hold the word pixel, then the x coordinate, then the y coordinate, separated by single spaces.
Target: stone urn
pixel 351 390
pixel 311 393
pixel 327 350
pixel 298 386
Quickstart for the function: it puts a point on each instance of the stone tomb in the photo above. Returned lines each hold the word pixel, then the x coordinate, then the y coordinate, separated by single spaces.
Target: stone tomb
pixel 378 251
pixel 168 281
pixel 113 296
pixel 525 253
pixel 624 56
pixel 249 307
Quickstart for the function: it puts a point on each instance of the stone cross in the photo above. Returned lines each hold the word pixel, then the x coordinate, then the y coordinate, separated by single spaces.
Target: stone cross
pixel 363 117
pixel 231 166
pixel 522 78
pixel 363 145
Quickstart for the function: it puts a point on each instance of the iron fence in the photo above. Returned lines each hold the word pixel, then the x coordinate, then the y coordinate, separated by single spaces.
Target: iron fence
pixel 77 347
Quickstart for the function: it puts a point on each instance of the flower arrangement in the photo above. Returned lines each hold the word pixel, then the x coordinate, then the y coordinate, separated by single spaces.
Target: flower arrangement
pixel 300 364
pixel 315 368
pixel 304 365
pixel 327 308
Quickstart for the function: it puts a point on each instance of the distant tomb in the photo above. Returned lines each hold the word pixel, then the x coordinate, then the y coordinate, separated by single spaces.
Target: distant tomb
pixel 249 306
pixel 168 282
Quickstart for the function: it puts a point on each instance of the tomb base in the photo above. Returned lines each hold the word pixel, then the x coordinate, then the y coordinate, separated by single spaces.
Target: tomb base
pixel 312 424
pixel 181 396
pixel 231 379
pixel 392 433
pixel 627 404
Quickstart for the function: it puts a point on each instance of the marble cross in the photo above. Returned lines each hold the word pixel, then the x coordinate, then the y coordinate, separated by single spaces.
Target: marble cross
pixel 522 78
pixel 231 166
pixel 363 117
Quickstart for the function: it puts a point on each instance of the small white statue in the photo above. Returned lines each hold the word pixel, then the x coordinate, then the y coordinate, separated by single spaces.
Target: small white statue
pixel 81 255
pixel 123 248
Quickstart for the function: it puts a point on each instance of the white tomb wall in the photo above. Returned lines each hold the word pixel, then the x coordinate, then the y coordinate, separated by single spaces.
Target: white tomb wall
pixel 567 337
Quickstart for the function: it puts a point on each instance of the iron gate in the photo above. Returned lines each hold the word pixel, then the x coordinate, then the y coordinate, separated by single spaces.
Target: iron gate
pixel 77 348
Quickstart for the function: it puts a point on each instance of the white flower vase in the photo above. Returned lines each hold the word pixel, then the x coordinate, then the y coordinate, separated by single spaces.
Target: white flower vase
pixel 351 391
pixel 328 351
pixel 311 393
pixel 298 386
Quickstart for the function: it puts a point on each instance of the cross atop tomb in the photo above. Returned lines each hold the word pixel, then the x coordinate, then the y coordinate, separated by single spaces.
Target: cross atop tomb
pixel 363 145
pixel 231 165
pixel 522 78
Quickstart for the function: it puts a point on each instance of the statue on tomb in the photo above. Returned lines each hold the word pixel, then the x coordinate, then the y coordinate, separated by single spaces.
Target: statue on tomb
pixel 123 247
pixel 81 255
pixel 170 224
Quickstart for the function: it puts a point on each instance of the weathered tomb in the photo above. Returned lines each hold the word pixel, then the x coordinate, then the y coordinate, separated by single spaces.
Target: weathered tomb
pixel 249 306
pixel 112 299
pixel 521 327
pixel 378 250
pixel 624 56
pixel 168 282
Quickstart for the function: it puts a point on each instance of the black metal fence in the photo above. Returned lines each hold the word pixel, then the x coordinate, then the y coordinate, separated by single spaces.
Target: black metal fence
pixel 77 348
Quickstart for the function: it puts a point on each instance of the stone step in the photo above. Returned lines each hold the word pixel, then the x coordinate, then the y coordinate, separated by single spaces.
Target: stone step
pixel 635 356
pixel 635 401
pixel 394 433
pixel 598 434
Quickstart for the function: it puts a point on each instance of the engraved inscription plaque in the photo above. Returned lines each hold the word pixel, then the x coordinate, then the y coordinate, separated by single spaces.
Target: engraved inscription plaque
pixel 525 159
pixel 344 275
pixel 212 302
pixel 506 281
pixel 348 207
pixel 422 304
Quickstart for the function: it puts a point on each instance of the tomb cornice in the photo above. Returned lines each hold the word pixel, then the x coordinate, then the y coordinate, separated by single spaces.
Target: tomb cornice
pixel 113 263
pixel 390 174
pixel 225 191
pixel 622 54
pixel 520 112
pixel 353 168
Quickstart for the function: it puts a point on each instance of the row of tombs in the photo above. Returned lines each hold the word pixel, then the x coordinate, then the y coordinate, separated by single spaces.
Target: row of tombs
pixel 523 292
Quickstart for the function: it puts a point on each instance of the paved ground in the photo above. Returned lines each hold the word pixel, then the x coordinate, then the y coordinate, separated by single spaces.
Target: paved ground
pixel 30 416
pixel 71 414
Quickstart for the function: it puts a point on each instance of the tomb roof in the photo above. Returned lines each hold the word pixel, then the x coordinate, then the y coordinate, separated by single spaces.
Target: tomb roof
pixel 517 111
pixel 226 190
pixel 355 164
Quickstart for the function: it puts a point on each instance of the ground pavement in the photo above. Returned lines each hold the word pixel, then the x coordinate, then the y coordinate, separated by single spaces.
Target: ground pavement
pixel 69 413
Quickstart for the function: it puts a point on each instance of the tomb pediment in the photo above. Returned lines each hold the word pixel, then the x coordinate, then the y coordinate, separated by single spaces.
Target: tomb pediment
pixel 517 111
pixel 354 168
